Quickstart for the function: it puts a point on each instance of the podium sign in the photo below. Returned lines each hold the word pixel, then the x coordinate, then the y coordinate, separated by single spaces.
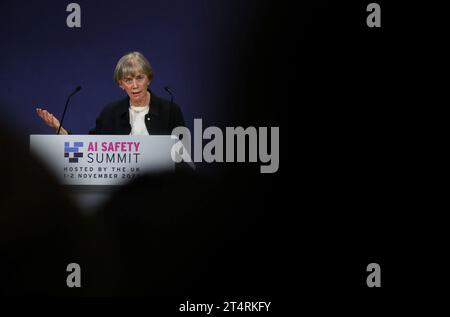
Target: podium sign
pixel 103 159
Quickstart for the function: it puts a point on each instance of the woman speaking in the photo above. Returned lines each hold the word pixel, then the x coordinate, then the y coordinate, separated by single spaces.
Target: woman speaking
pixel 140 113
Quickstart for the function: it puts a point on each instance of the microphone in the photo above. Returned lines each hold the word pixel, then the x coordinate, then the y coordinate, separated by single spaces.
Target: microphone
pixel 77 89
pixel 169 91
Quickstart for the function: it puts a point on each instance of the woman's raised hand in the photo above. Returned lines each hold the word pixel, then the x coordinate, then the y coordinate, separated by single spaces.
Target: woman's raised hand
pixel 50 119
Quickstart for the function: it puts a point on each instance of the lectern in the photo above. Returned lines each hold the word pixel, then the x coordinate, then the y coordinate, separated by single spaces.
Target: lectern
pixel 91 166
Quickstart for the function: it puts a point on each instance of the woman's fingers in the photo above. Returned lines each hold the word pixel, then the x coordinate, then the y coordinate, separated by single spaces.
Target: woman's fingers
pixel 48 118
pixel 41 113
pixel 55 121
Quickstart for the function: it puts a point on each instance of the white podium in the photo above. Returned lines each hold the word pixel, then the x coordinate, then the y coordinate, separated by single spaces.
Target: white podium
pixel 93 165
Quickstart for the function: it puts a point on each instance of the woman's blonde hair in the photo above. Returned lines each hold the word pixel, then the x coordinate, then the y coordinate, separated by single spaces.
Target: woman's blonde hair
pixel 131 64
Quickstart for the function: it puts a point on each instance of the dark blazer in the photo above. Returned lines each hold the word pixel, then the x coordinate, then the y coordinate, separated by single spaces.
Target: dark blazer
pixel 162 118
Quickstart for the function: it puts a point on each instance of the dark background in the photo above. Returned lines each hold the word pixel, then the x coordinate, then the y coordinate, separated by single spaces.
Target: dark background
pixel 193 46
pixel 348 191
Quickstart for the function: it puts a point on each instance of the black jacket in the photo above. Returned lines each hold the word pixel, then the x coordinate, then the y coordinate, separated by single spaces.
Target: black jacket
pixel 162 118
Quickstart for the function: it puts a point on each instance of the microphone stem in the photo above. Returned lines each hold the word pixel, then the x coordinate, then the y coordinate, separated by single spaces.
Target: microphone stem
pixel 64 113
pixel 65 108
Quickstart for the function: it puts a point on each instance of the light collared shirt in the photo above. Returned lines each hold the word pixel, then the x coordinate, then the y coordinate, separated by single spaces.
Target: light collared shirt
pixel 137 120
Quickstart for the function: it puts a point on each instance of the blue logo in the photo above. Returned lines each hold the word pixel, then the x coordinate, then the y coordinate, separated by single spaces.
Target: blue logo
pixel 73 152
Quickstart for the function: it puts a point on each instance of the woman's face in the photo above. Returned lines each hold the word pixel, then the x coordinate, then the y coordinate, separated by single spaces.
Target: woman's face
pixel 136 87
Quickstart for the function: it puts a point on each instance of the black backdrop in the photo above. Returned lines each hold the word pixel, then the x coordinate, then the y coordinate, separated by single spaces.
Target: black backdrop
pixel 347 192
